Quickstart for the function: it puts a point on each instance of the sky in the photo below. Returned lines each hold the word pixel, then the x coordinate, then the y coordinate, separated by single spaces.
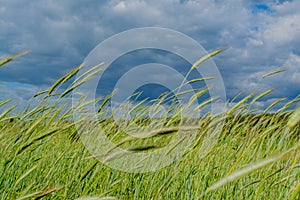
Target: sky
pixel 261 35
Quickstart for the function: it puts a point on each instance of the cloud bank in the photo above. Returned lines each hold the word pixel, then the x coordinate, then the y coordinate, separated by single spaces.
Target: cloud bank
pixel 262 36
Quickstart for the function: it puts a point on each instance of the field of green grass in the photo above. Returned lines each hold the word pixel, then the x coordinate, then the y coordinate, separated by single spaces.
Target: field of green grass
pixel 256 155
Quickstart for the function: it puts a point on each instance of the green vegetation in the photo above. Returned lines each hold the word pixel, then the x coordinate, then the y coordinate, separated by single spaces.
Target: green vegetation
pixel 256 156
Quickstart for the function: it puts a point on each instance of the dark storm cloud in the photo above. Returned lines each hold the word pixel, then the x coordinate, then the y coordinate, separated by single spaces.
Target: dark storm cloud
pixel 262 35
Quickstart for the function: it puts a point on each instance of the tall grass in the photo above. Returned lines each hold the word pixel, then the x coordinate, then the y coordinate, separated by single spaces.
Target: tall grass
pixel 256 156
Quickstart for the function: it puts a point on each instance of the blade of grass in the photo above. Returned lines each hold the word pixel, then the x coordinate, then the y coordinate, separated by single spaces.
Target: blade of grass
pixel 273 72
pixel 296 192
pixel 294 119
pixel 249 169
pixel 40 194
pixel 65 78
pixel 206 57
pixel 10 58
pixel 25 175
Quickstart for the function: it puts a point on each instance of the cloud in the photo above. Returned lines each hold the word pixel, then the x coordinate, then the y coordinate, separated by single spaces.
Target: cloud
pixel 262 35
pixel 19 94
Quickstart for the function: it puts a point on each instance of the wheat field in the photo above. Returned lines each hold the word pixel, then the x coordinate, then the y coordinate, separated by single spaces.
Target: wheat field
pixel 256 155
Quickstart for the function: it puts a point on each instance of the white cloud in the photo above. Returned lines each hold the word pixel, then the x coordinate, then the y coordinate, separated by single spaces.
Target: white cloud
pixel 293 65
pixel 120 7
pixel 283 31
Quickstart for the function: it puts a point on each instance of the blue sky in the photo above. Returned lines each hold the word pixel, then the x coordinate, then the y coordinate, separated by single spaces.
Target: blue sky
pixel 262 36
